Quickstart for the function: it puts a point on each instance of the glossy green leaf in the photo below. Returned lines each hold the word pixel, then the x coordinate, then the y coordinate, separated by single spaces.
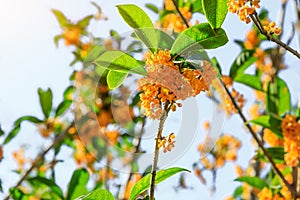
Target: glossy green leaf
pixel 12 134
pixel 93 54
pixel 284 97
pixel 215 12
pixel 78 184
pixel 98 194
pixel 120 62
pixel 83 23
pixel 278 99
pixel 152 7
pixel 197 6
pixel 249 80
pixel 216 63
pixel 63 107
pixel 137 19
pixel 1 188
pixel 161 175
pixel 61 18
pixel 253 181
pixel 197 37
pixel 50 183
pixel 134 16
pixel 244 60
pixel 46 101
pixel 267 121
pixel 115 79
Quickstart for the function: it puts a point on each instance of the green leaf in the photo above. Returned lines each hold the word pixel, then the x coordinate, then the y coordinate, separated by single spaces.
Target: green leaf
pixel 16 193
pixel 115 79
pixel 45 101
pixel 278 97
pixel 120 62
pixel 253 181
pixel 238 192
pixel 216 63
pixel 57 38
pixel 62 107
pixel 241 63
pixel 267 121
pixel 165 40
pixel 277 154
pixel 83 23
pixel 152 7
pixel 134 16
pixel 137 19
pixel 1 131
pixel 50 183
pixel 284 104
pixel 144 183
pixel 215 12
pixel 68 93
pixel 28 118
pixel 249 80
pixel 12 134
pixel 197 6
pixel 98 194
pixel 17 127
pixel 77 185
pixel 62 20
pixel 93 54
pixel 197 37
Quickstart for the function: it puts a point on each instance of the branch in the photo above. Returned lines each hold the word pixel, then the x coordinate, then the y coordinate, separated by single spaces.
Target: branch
pixel 258 141
pixel 180 14
pixel 270 37
pixel 156 151
pixel 60 137
pixel 135 157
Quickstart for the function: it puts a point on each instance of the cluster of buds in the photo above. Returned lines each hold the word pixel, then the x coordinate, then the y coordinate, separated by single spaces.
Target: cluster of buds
pixel 167 143
pixel 243 8
pixel 271 28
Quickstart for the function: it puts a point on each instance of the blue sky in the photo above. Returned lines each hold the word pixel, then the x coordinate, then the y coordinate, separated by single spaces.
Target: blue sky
pixel 29 60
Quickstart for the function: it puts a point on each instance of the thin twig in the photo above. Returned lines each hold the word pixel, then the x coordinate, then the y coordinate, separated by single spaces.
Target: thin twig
pixel 180 14
pixel 156 150
pixel 41 156
pixel 258 141
pixel 282 17
pixel 270 37
pixel 135 157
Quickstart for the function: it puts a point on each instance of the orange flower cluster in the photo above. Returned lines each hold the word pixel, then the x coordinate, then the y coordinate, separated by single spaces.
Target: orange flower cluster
pixel 106 174
pixel 224 150
pixel 291 133
pixel 19 158
pixel 243 8
pixel 173 21
pixel 167 143
pixel 283 194
pixel 272 139
pixel 112 136
pixel 271 28
pixel 165 83
pixel 252 39
pixel 71 36
pixel 81 155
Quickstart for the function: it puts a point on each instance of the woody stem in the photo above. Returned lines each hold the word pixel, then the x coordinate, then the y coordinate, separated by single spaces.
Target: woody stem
pixel 156 150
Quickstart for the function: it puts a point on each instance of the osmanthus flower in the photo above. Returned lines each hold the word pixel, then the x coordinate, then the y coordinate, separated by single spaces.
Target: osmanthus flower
pixel 166 83
pixel 243 8
pixel 72 35
pixel 291 136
